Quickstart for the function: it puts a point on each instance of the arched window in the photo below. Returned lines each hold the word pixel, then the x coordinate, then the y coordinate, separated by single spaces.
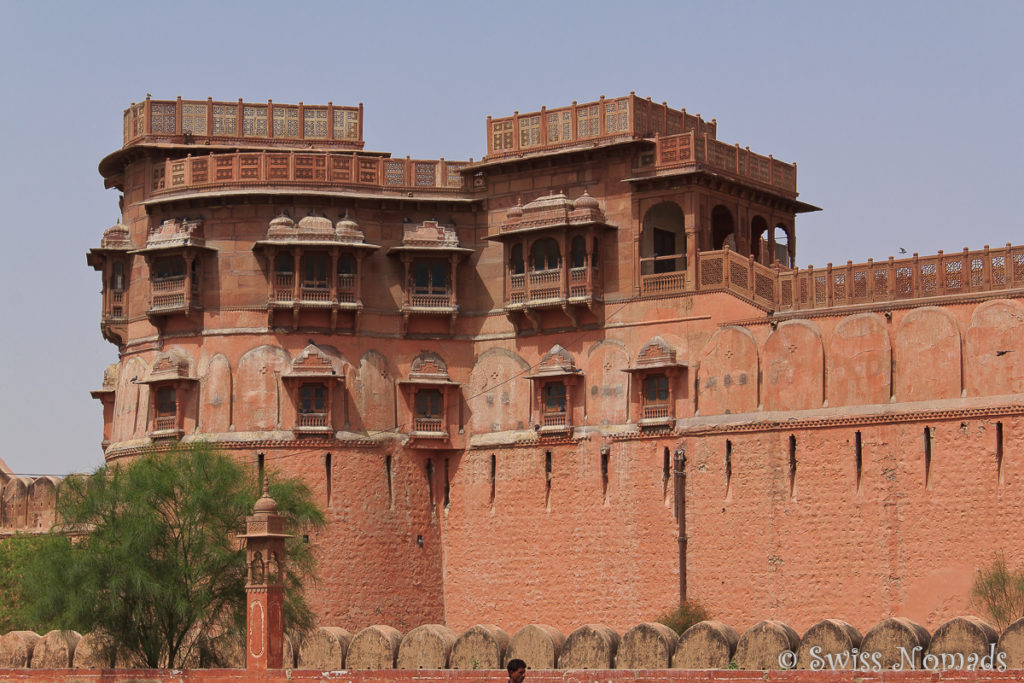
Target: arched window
pixel 782 253
pixel 663 240
pixel 117 278
pixel 546 255
pixel 723 229
pixel 578 252
pixel 284 264
pixel 515 260
pixel 759 239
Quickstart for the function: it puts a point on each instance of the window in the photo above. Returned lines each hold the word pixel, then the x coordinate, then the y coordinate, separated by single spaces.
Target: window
pixel 515 261
pixel 546 255
pixel 346 264
pixel 429 404
pixel 168 267
pixel 117 278
pixel 554 397
pixel 664 245
pixel 284 264
pixel 655 388
pixel 165 403
pixel 312 399
pixel 430 277
pixel 315 270
pixel 578 252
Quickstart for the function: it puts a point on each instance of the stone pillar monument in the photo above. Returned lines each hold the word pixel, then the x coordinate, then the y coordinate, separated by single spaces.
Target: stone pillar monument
pixel 264 588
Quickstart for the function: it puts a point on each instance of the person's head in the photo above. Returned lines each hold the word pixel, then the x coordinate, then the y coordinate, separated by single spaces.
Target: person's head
pixel 516 670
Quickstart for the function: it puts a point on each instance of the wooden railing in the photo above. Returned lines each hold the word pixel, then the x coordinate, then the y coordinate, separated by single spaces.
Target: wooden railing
pixel 346 288
pixel 264 123
pixel 304 169
pixel 165 422
pixel 549 285
pixel 728 270
pixel 604 120
pixel 312 420
pixel 656 411
pixel 918 277
pixel 429 425
pixel 168 292
pixel 555 419
pixel 690 149
pixel 430 300
pixel 315 292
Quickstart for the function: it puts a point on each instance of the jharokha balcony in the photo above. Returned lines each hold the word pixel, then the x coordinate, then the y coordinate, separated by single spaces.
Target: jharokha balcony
pixel 313 268
pixel 430 255
pixel 552 256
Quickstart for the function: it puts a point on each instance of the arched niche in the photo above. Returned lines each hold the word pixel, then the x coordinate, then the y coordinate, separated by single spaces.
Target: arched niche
pixel 727 375
pixel 215 396
pixel 995 349
pixel 794 367
pixel 860 361
pixel 374 393
pixel 926 356
pixel 663 239
pixel 258 388
pixel 723 228
pixel 606 399
pixel 782 239
pixel 130 401
pixel 497 396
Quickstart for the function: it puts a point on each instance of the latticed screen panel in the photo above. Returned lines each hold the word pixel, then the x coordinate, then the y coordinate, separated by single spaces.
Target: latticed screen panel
pixel 529 131
pixel 787 293
pixel 346 124
pixel 193 119
pixel 501 135
pixel 588 121
pixel 764 287
pixel 998 271
pixel 737 274
pixel 225 120
pixel 286 122
pixel 341 169
pixel 839 287
pixel 559 126
pixel 163 117
pixel 394 172
pixel 928 278
pixel 711 272
pixel 616 116
pixel 954 275
pixel 904 285
pixel 200 170
pixel 368 171
pixel 454 176
pixel 254 121
pixel 425 173
pixel 314 124
pixel 860 285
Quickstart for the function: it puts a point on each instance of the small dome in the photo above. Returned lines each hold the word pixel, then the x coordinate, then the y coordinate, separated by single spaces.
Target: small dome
pixel 551 201
pixel 280 226
pixel 116 235
pixel 265 504
pixel 316 224
pixel 347 227
pixel 585 201
pixel 515 212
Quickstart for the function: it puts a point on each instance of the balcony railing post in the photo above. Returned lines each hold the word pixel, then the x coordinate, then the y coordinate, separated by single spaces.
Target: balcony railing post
pixel 869 286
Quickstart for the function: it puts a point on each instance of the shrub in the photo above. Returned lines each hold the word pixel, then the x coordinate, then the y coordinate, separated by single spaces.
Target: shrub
pixel 688 613
pixel 999 592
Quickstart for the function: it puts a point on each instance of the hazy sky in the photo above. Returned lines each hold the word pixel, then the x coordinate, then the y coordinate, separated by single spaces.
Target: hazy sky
pixel 905 119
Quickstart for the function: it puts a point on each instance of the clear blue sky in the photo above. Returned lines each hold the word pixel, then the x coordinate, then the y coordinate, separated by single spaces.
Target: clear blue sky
pixel 904 118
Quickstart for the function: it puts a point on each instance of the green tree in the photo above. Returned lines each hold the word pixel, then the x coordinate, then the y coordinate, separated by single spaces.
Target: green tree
pixel 999 592
pixel 148 553
pixel 16 555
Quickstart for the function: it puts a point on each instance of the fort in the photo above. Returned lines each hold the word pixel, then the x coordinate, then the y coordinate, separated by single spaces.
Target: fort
pixel 567 383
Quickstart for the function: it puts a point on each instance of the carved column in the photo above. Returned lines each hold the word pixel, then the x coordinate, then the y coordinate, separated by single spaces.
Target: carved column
pixel 264 587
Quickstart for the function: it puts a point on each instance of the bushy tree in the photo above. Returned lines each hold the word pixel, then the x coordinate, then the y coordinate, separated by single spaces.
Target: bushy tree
pixel 148 553
pixel 688 613
pixel 998 591
pixel 16 556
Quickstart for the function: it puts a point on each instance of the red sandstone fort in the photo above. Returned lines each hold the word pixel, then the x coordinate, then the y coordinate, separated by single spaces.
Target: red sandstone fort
pixel 566 383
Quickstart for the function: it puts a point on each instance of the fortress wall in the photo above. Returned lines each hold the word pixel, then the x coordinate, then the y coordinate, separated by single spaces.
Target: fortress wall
pixel 893 545
pixel 533 556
